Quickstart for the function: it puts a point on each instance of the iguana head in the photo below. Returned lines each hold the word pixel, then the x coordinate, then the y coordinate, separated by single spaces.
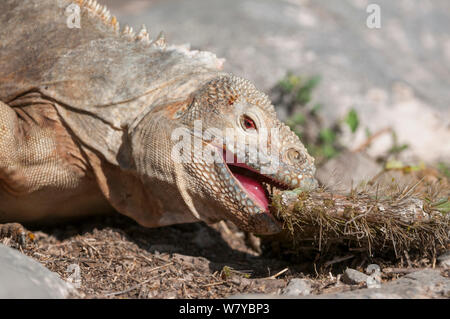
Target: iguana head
pixel 239 152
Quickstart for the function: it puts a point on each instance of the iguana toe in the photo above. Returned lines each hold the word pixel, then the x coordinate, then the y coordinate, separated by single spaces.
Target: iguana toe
pixel 16 233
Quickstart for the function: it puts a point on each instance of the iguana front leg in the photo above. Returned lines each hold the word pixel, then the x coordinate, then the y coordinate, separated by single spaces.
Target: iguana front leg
pixel 9 158
pixel 11 178
pixel 27 151
pixel 43 174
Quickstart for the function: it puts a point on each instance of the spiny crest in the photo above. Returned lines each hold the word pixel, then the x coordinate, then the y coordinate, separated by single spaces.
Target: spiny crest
pixel 103 13
pixel 143 35
pixel 100 11
pixel 128 32
pixel 229 88
pixel 160 40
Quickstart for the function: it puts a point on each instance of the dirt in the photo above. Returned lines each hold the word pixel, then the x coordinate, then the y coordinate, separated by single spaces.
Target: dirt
pixel 119 259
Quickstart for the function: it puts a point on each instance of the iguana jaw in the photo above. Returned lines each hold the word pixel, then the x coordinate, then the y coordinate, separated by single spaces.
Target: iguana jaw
pixel 249 190
pixel 252 184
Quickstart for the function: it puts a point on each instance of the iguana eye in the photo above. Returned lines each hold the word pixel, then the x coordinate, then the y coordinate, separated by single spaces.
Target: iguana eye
pixel 247 123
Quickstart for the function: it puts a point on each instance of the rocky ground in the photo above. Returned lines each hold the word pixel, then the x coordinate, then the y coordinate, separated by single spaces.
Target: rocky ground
pixel 113 257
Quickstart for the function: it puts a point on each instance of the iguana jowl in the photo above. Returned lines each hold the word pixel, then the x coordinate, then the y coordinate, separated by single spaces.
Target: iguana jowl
pixel 87 116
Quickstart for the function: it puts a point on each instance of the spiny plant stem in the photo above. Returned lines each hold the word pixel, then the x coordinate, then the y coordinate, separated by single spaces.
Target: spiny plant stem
pixel 396 223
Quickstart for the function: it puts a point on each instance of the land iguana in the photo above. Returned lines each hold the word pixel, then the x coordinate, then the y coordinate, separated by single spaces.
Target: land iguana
pixel 87 117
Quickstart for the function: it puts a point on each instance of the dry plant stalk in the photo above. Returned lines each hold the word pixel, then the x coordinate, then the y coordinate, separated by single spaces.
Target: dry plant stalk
pixel 404 219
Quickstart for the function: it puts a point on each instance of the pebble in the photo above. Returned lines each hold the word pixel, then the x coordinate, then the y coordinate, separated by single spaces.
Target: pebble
pixel 374 280
pixel 297 287
pixel 373 269
pixel 353 277
pixel 444 260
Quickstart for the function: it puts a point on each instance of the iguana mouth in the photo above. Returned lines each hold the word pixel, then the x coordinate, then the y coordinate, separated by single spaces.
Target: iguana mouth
pixel 256 185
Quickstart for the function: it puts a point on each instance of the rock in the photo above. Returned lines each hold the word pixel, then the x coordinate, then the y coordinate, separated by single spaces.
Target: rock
pixel 270 285
pixel 353 277
pixel 422 284
pixel 374 279
pixel 22 277
pixel 373 269
pixel 240 281
pixel 347 170
pixel 192 261
pixel 444 260
pixel 297 287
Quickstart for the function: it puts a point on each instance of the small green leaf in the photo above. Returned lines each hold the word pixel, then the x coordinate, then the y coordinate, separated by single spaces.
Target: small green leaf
pixel 316 108
pixel 414 168
pixel 329 151
pixel 398 148
pixel 444 169
pixel 394 164
pixel 226 271
pixel 312 83
pixel 299 119
pixel 442 206
pixel 327 135
pixel 304 93
pixel 303 97
pixel 289 82
pixel 352 120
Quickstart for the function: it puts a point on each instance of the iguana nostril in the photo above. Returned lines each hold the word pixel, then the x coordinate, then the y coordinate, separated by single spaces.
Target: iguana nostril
pixel 295 157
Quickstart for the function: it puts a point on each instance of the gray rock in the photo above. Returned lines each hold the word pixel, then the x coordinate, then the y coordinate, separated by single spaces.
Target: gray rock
pixel 374 279
pixel 270 285
pixel 347 170
pixel 444 260
pixel 22 277
pixel 373 269
pixel 353 277
pixel 240 281
pixel 422 284
pixel 297 287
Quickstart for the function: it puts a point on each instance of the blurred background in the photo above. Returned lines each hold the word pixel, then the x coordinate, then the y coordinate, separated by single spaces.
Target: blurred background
pixel 379 94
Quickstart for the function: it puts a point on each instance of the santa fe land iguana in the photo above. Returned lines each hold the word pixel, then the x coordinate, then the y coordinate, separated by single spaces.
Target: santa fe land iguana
pixel 92 117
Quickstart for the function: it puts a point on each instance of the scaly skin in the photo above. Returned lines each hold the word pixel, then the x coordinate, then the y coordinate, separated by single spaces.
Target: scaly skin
pixel 90 119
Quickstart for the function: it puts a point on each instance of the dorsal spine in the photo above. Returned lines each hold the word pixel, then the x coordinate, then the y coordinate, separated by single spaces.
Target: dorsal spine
pixel 103 13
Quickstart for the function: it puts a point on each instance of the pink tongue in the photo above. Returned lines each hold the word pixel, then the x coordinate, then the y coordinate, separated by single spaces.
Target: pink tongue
pixel 255 190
